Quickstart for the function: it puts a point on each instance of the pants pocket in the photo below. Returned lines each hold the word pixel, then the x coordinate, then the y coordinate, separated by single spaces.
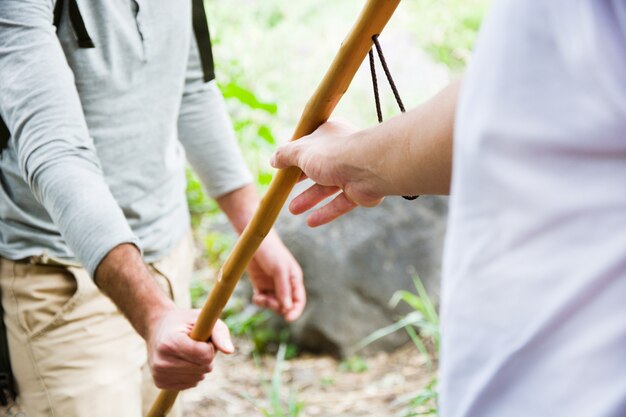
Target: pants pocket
pixel 43 295
pixel 173 272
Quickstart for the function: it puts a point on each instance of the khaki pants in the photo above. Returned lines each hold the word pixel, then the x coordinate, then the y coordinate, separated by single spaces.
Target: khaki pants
pixel 72 352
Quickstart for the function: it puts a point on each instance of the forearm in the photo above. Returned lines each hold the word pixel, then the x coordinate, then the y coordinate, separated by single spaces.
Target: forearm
pixel 123 276
pixel 239 206
pixel 410 154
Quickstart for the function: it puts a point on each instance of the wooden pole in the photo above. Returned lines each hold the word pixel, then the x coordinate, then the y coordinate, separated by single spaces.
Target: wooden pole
pixel 354 49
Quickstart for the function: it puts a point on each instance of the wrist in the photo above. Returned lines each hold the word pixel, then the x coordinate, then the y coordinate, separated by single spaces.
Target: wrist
pixel 239 206
pixel 151 313
pixel 148 329
pixel 271 243
pixel 360 174
pixel 123 277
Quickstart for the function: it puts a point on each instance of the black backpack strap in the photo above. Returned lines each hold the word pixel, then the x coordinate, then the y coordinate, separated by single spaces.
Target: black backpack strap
pixel 82 37
pixel 76 20
pixel 203 39
pixel 8 390
pixel 4 135
pixel 58 10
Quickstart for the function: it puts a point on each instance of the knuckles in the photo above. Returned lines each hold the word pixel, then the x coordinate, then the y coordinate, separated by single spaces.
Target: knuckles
pixel 159 367
pixel 166 348
pixel 163 383
pixel 203 351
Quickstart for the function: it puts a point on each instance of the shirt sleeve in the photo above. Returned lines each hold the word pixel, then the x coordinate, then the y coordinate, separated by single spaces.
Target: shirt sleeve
pixel 207 134
pixel 40 105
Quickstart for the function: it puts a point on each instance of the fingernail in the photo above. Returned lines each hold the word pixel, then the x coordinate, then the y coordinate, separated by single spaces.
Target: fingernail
pixel 230 346
pixel 273 160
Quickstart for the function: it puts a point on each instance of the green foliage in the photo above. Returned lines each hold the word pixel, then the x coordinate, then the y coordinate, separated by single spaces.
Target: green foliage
pixel 255 325
pixel 425 320
pixel 253 126
pixel 245 322
pixel 327 381
pixel 425 403
pixel 278 406
pixel 199 204
pixel 447 29
pixel 354 364
pixel 198 289
pixel 217 246
pixel 420 302
pixel 246 97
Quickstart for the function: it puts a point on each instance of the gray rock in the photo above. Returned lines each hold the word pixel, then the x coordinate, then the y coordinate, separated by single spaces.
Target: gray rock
pixel 354 265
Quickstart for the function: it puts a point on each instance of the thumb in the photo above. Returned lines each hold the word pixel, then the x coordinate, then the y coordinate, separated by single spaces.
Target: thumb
pixel 285 156
pixel 221 338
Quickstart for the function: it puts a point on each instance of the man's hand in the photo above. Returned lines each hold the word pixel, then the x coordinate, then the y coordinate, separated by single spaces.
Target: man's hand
pixel 275 274
pixel 178 362
pixel 410 154
pixel 277 279
pixel 325 157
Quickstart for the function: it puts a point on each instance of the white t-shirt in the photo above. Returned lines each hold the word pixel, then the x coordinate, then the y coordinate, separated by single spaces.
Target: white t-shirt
pixel 534 287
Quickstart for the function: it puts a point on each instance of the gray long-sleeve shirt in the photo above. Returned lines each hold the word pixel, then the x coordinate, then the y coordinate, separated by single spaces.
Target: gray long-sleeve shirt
pixel 95 158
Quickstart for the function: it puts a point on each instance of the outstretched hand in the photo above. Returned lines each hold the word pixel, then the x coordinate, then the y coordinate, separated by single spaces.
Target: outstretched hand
pixel 325 157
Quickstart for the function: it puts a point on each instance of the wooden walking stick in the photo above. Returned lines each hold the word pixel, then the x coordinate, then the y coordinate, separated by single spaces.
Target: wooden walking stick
pixel 354 49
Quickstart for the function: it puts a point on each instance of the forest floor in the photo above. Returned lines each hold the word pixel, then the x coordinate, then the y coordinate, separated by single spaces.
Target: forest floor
pixel 381 385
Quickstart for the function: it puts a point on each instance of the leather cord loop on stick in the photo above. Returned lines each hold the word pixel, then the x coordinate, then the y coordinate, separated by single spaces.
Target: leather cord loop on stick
pixel 392 84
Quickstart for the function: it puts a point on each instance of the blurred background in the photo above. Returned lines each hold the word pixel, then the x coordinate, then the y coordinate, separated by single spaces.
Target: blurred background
pixel 367 344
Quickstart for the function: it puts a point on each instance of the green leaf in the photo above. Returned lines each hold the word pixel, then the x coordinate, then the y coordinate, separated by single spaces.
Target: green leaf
pixel 413 318
pixel 354 364
pixel 247 97
pixel 266 133
pixel 264 178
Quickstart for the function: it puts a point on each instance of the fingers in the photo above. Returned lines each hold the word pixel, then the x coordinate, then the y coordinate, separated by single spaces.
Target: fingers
pixel 176 367
pixel 199 353
pixel 278 281
pixel 180 362
pixel 267 300
pixel 311 197
pixel 176 360
pixel 290 291
pixel 291 309
pixel 221 338
pixel 298 295
pixel 336 208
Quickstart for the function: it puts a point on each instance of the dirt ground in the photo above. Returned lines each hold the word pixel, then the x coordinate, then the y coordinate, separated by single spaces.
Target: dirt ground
pixel 239 386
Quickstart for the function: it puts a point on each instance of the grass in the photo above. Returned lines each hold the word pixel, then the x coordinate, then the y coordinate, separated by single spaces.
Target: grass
pixel 424 403
pixel 277 405
pixel 255 324
pixel 354 364
pixel 422 326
